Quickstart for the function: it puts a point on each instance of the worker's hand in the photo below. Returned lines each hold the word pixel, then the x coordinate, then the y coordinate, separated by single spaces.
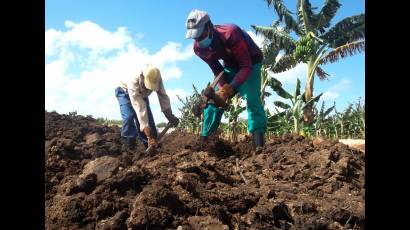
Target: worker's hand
pixel 173 120
pixel 197 110
pixel 152 142
pixel 209 92
pixel 150 136
pixel 223 94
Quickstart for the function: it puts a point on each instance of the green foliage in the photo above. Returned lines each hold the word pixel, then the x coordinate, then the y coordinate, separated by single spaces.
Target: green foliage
pixel 328 122
pixel 108 122
pixel 161 125
pixel 306 47
pixel 350 123
pixel 188 122
pixel 232 113
pixel 315 44
pixel 297 103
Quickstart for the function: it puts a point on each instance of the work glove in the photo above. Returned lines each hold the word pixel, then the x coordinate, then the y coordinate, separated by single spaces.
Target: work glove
pixel 150 136
pixel 197 109
pixel 173 120
pixel 223 94
pixel 209 92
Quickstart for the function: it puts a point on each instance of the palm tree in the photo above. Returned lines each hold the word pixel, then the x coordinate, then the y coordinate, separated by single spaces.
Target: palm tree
pixel 316 45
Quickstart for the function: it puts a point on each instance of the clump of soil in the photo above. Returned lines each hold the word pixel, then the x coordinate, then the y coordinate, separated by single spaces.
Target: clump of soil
pixel 94 182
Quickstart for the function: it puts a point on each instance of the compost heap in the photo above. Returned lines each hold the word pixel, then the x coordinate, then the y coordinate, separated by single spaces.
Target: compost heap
pixel 92 181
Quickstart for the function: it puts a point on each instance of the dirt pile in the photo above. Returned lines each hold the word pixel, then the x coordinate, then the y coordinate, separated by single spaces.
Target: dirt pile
pixel 93 182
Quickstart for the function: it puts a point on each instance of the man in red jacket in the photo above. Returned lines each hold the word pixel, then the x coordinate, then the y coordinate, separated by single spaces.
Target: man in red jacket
pixel 242 71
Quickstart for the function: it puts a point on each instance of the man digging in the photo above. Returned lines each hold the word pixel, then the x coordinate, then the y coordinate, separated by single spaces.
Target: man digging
pixel 137 120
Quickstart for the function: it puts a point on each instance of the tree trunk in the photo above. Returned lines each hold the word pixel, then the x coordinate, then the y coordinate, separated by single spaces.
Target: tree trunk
pixel 308 114
pixel 296 123
pixel 234 132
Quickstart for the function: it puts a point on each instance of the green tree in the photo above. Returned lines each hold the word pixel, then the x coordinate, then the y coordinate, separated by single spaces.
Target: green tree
pixel 161 125
pixel 317 44
pixel 297 100
pixel 232 113
pixel 188 120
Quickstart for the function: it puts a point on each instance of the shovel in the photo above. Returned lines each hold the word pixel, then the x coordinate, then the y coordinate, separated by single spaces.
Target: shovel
pixel 150 148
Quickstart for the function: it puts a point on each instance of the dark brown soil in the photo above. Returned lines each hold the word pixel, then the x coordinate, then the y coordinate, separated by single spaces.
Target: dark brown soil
pixel 93 182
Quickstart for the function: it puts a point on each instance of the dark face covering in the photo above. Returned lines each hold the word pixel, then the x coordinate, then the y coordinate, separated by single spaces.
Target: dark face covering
pixel 206 38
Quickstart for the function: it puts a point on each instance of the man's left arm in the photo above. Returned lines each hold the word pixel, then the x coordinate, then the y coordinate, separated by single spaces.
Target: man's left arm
pixel 165 104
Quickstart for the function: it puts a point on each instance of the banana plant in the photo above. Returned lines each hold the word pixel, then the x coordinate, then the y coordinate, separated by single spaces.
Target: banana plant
pixel 279 123
pixel 342 122
pixel 188 121
pixel 316 43
pixel 322 119
pixel 351 122
pixel 264 82
pixel 297 102
pixel 232 113
pixel 360 118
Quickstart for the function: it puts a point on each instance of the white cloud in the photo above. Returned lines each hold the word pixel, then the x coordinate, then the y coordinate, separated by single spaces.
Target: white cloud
pixel 334 91
pixel 69 24
pixel 344 84
pixel 329 96
pixel 290 76
pixel 172 52
pixel 172 93
pixel 85 63
pixel 171 72
pixel 51 38
pixel 90 35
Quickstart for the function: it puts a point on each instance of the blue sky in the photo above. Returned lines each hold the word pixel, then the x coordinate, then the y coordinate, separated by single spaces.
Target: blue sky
pixel 91 44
